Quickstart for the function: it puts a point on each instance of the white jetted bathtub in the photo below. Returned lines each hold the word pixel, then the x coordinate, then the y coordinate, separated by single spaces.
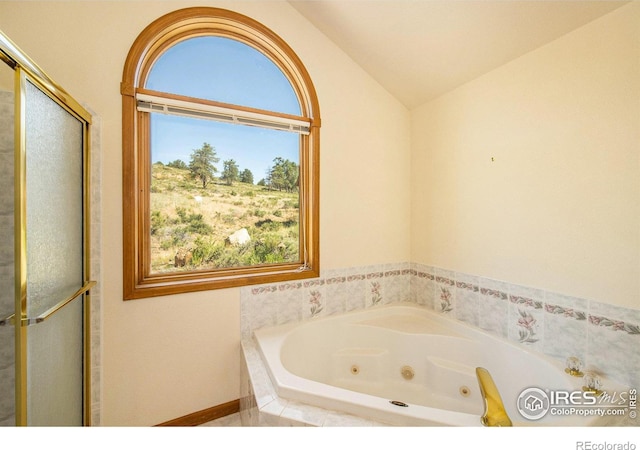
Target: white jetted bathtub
pixel 406 365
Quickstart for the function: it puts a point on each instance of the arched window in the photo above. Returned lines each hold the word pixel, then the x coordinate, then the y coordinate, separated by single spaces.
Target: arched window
pixel 220 157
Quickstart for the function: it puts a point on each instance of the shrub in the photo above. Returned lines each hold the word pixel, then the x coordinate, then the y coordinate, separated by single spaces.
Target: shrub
pixel 206 251
pixel 198 225
pixel 268 225
pixel 158 221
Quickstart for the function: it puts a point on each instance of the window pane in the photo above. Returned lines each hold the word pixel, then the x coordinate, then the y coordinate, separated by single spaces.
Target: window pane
pixel 224 70
pixel 218 55
pixel 211 180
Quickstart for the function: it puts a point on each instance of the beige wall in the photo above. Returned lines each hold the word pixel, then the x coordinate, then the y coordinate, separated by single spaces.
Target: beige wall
pixel 531 173
pixel 167 357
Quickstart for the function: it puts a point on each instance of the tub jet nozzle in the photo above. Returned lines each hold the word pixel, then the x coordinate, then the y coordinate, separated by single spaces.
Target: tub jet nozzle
pixel 407 372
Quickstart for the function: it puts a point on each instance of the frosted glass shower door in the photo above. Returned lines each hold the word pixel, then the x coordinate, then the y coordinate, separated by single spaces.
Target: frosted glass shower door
pixel 51 262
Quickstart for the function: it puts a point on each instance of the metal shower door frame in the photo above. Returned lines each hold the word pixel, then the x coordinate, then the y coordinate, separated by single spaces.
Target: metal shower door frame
pixel 28 71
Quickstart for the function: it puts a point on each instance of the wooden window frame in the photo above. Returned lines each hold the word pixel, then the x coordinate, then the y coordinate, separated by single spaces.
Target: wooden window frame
pixel 168 30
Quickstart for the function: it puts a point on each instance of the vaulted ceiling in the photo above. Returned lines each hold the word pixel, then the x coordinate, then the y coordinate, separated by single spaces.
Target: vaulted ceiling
pixel 420 49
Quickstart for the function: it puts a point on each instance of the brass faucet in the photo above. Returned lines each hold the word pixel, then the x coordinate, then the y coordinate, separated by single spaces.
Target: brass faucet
pixel 494 413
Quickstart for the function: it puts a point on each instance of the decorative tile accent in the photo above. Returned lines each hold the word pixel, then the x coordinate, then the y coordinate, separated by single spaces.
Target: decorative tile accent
pixel 565 312
pixel 494 293
pixel 517 300
pixel 445 301
pixel 446 298
pixel 315 303
pixel 527 327
pixel 375 293
pixel 615 325
pixel 526 311
pixel 375 286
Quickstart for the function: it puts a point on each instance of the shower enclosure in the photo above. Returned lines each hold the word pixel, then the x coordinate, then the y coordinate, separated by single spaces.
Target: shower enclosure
pixel 44 248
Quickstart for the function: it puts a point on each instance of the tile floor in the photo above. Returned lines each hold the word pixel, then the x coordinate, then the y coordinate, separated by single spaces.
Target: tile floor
pixel 232 420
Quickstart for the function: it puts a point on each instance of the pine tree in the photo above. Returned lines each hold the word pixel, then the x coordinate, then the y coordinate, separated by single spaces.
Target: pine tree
pixel 231 172
pixel 246 176
pixel 202 163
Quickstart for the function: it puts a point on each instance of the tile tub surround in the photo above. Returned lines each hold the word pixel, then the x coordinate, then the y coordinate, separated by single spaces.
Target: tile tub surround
pixel 335 292
pixel 96 268
pixel 605 337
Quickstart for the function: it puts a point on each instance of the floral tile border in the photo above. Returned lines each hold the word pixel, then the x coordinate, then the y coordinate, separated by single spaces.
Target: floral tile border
pixel 552 323
pixel 338 292
pixel 614 325
pixel 565 312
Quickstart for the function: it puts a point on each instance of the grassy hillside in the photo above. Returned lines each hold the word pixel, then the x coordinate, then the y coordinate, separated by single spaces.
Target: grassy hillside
pixel 194 223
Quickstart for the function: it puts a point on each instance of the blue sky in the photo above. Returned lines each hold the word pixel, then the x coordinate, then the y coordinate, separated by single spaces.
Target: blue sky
pixel 221 69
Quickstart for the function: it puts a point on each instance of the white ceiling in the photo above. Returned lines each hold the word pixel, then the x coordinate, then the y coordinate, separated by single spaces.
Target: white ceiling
pixel 420 49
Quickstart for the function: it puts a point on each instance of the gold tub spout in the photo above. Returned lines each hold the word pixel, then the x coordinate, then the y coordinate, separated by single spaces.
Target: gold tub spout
pixel 494 413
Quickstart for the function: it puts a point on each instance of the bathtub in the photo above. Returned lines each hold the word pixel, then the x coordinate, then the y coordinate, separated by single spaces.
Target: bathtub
pixel 405 365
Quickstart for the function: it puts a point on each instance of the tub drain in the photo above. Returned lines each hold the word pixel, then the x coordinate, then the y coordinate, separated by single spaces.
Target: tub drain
pixel 355 370
pixel 398 403
pixel 465 391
